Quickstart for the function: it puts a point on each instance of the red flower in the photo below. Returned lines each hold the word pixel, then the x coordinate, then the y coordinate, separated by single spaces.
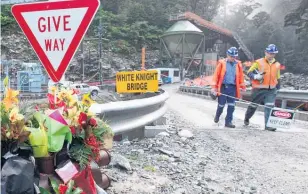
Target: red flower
pixel 62 188
pixel 51 100
pixel 75 91
pixel 82 120
pixel 91 141
pixel 96 154
pixel 93 122
pixel 37 108
pixel 73 130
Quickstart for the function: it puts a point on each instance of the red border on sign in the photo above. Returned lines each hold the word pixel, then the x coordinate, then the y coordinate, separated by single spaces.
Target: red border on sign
pixel 92 6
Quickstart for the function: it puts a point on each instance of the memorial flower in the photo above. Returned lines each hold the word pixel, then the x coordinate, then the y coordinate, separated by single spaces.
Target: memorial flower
pixel 10 100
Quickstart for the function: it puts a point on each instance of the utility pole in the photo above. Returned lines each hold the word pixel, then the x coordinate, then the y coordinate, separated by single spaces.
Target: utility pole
pixel 82 62
pixel 143 58
pixel 100 30
pixel 225 13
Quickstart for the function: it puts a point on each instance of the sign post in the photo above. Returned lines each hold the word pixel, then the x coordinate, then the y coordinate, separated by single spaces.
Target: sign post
pixel 55 30
pixel 281 118
pixel 143 59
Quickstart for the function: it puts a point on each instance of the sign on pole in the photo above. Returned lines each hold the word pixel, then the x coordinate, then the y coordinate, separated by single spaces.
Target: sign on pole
pixel 137 81
pixel 55 30
pixel 280 118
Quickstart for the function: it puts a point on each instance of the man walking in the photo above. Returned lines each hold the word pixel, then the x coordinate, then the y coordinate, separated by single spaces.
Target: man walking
pixel 228 80
pixel 265 75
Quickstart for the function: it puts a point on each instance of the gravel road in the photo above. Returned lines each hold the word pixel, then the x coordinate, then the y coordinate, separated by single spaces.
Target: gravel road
pixel 197 156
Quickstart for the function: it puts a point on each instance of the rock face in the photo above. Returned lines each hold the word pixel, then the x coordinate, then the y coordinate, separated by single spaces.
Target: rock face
pixel 16 46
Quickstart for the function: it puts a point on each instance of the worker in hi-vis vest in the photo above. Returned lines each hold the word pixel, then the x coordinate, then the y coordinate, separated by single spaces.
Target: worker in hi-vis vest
pixel 228 80
pixel 265 75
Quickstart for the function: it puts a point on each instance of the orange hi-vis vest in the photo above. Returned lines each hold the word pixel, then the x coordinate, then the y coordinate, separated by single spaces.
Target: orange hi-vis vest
pixel 270 77
pixel 220 73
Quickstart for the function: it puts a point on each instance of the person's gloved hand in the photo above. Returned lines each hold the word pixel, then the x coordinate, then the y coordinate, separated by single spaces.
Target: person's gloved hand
pixel 243 89
pixel 258 77
pixel 214 92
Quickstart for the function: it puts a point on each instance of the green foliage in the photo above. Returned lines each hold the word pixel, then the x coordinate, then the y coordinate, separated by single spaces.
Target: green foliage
pixel 7 19
pixel 54 185
pixel 149 168
pixel 44 191
pixel 126 34
pixel 5 120
pixel 81 154
pixel 208 9
pixel 99 132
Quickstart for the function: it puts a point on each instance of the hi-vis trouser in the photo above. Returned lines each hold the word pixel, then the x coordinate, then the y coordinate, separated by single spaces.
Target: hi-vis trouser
pixel 229 90
pixel 266 96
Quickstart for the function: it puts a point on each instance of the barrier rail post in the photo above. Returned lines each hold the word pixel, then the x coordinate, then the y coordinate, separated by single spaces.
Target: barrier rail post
pixel 284 103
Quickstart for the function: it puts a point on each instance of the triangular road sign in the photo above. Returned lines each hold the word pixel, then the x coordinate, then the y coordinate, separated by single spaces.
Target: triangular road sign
pixel 55 30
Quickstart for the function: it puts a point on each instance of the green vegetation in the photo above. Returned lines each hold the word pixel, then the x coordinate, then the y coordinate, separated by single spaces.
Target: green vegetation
pixel 150 168
pixel 7 19
pixel 128 25
pixel 131 24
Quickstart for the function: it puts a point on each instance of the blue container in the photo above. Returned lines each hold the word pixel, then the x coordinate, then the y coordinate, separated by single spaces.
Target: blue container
pixel 36 83
pixel 23 81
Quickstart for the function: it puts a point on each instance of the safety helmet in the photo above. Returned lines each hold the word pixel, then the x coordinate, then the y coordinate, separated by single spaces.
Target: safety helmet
pixel 232 52
pixel 271 49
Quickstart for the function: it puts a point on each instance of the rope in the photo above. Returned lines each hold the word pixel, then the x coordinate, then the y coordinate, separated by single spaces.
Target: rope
pixel 252 103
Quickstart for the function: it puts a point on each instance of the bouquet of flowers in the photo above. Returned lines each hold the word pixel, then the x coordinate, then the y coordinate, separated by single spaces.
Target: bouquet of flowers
pixel 12 122
pixel 49 129
pixel 87 130
pixel 62 188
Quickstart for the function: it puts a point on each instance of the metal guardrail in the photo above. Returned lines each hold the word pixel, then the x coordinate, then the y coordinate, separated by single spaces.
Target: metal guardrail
pixel 124 116
pixel 285 95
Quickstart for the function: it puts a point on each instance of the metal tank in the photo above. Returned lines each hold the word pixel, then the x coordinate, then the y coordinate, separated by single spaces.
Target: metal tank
pixel 180 45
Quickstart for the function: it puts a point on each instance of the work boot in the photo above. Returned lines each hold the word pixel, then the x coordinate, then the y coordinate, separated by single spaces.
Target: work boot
pixel 246 122
pixel 270 129
pixel 229 125
pixel 216 119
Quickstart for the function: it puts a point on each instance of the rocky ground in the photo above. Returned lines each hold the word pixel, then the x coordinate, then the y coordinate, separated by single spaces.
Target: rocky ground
pixel 169 163
pixel 195 156
pixel 294 82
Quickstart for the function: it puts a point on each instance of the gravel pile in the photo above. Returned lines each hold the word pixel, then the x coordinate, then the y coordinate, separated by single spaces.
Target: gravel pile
pixel 294 82
pixel 177 161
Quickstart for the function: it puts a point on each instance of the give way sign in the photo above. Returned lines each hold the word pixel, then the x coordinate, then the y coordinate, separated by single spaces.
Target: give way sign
pixel 55 30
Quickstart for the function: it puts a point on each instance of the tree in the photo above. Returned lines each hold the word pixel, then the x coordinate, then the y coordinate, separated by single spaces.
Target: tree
pixel 299 19
pixel 205 8
pixel 260 18
pixel 240 13
pixel 112 5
